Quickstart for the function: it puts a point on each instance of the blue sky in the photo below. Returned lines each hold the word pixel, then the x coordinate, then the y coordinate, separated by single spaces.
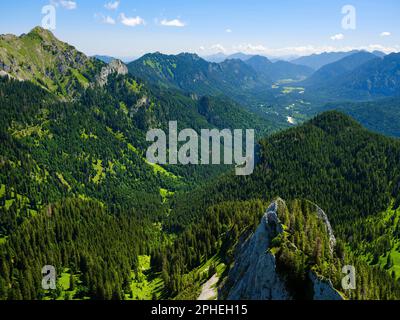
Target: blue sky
pixel 128 28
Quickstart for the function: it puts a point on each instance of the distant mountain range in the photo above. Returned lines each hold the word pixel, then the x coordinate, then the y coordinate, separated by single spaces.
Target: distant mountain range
pixel 220 57
pixel 361 76
pixel 191 73
pixel 313 61
pixel 108 59
pixel 278 70
pixel 105 59
pixel 331 74
pixel 317 61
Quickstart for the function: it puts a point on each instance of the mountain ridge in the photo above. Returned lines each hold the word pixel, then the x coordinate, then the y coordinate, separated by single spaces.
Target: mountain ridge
pixel 40 57
pixel 316 61
pixel 376 78
pixel 278 70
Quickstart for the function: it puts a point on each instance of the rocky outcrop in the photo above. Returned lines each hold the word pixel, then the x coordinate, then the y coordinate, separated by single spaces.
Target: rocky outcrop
pixel 48 62
pixel 3 74
pixel 254 274
pixel 323 288
pixel 114 67
pixel 332 240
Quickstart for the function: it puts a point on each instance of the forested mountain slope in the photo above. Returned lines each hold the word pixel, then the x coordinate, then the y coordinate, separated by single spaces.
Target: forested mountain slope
pixel 331 74
pixel 381 115
pixel 332 161
pixel 69 145
pixel 193 74
pixel 376 78
pixel 76 190
pixel 278 70
pixel 327 160
pixel 317 61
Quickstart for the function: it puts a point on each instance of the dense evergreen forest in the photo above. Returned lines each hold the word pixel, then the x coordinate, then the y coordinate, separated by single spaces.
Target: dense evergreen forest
pixel 77 192
pixel 66 163
pixel 98 245
pixel 90 150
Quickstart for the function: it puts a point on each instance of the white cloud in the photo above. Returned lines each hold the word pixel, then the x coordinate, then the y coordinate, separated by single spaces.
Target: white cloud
pixel 379 47
pixel 66 4
pixel 385 34
pixel 131 21
pixel 112 5
pixel 304 50
pixel 228 30
pixel 202 48
pixel 173 23
pixel 336 37
pixel 104 19
pixel 218 48
pixel 108 20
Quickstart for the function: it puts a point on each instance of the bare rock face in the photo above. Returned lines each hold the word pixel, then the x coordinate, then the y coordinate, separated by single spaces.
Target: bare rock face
pixel 3 74
pixel 332 240
pixel 254 275
pixel 115 66
pixel 323 289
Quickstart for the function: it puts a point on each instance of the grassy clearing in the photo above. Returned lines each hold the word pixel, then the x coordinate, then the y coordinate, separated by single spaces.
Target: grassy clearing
pixel 389 219
pixel 156 168
pixel 145 285
pixel 63 181
pixel 65 289
pixel 165 194
pixel 20 132
pixel 395 255
pixel 100 174
pixel 87 136
pixel 2 190
pixel 81 79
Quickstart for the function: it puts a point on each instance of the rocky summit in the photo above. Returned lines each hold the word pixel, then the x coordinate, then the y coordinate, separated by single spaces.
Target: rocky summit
pixel 255 274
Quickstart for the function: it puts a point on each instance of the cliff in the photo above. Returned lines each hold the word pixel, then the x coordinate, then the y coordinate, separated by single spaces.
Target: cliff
pixel 115 66
pixel 255 275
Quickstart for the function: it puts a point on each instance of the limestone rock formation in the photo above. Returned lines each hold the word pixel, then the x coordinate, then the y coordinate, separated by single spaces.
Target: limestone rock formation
pixel 323 289
pixel 115 66
pixel 254 274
